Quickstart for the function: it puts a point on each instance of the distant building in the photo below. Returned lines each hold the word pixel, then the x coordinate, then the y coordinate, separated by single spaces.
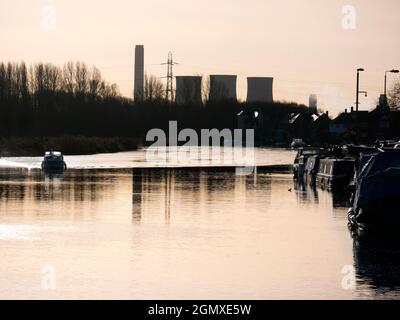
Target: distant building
pixel 366 126
pixel 188 90
pixel 260 90
pixel 222 87
pixel 341 124
pixel 250 120
pixel 356 123
pixel 310 126
pixel 313 103
pixel 138 93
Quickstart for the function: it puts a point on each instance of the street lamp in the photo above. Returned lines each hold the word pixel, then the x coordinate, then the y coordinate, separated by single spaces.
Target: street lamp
pixel 358 87
pixel 389 71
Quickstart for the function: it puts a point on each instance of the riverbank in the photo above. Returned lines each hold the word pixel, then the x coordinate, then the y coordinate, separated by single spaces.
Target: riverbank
pixel 69 145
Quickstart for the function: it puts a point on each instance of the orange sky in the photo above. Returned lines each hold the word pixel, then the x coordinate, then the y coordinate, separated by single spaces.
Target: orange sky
pixel 299 42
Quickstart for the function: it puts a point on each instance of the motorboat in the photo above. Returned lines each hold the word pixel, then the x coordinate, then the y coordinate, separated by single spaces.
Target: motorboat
pixel 53 161
pixel 375 202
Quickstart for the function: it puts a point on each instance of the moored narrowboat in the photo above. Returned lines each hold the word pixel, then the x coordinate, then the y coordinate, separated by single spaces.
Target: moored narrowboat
pixel 376 196
pixel 335 173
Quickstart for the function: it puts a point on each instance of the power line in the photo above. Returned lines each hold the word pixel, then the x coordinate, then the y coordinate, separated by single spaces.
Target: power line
pixel 170 78
pixel 127 66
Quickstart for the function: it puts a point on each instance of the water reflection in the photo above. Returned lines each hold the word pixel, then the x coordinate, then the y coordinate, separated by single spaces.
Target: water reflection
pixel 376 259
pixel 377 267
pixel 258 236
pixel 310 193
pixel 306 193
pixel 75 191
pixel 163 190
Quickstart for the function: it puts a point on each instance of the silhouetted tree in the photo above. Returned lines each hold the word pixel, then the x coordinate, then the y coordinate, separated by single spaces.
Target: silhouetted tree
pixel 153 89
pixel 394 96
pixel 46 100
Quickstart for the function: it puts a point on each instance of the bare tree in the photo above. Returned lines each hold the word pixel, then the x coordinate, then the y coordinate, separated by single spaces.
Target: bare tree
pixel 394 96
pixel 24 83
pixel 153 88
pixel 94 82
pixel 81 79
pixel 52 77
pixel 205 90
pixel 69 77
pixel 45 83
pixel 3 82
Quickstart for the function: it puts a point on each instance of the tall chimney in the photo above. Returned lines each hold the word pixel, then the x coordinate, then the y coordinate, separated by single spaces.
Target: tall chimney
pixel 138 93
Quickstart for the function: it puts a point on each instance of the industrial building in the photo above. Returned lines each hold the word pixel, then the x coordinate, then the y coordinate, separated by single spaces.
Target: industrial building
pixel 138 93
pixel 222 87
pixel 313 103
pixel 260 90
pixel 188 90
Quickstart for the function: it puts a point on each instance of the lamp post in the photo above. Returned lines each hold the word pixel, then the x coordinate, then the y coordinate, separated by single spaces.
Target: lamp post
pixel 358 87
pixel 389 71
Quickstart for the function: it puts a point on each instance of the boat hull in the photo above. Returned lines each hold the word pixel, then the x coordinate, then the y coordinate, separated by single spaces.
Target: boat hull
pixel 53 166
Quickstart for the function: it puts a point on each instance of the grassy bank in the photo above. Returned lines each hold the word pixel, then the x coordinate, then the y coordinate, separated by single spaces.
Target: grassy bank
pixel 69 145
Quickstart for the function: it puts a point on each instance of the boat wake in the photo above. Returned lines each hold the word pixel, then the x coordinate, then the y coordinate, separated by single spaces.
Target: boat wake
pixel 13 164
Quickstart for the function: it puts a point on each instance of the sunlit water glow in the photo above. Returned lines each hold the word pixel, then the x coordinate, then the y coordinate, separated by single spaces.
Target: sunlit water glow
pixel 176 157
pixel 181 234
pixel 14 164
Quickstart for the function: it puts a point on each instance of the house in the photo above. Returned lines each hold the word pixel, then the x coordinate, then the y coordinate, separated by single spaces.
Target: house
pixel 310 126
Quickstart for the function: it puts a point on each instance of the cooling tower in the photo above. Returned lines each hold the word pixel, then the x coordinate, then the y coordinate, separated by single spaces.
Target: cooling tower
pixel 188 90
pixel 260 89
pixel 222 87
pixel 139 73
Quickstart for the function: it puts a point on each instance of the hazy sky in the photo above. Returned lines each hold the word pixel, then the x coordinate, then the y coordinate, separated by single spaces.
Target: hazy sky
pixel 302 43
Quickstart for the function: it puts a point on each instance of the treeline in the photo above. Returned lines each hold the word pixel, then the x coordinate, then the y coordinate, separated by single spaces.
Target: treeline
pixel 48 101
pixel 45 99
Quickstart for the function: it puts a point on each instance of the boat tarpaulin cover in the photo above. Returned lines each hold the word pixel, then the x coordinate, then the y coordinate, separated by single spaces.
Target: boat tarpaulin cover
pixel 379 179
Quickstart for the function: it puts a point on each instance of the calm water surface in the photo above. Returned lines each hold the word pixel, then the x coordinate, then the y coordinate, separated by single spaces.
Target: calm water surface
pixel 181 234
pixel 173 157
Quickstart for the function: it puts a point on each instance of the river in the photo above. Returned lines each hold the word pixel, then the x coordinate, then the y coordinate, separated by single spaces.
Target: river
pixel 109 228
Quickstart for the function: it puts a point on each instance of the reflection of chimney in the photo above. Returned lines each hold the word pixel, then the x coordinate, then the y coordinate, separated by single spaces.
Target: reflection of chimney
pixel 138 177
pixel 139 74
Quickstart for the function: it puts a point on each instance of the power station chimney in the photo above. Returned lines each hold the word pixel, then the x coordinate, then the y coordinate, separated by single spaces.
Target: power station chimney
pixel 138 93
pixel 313 103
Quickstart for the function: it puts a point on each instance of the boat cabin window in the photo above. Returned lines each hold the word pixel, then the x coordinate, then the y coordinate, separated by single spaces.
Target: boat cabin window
pixel 310 152
pixel 53 153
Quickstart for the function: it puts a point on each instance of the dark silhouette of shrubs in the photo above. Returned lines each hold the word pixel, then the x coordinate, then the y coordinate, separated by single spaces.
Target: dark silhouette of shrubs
pixel 79 112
